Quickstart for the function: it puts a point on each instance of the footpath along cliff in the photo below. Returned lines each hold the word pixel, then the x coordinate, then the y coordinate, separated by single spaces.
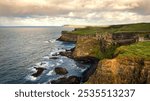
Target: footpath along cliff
pixel 118 58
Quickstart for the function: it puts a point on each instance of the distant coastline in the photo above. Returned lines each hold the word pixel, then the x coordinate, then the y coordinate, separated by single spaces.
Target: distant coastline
pixel 75 26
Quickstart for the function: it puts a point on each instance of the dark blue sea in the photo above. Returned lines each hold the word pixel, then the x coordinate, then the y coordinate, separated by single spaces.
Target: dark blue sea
pixel 24 48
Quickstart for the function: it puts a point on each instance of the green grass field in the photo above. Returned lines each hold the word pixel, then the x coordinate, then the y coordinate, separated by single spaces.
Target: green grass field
pixel 139 27
pixel 138 50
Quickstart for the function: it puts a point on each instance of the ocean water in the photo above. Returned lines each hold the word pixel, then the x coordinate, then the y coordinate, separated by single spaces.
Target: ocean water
pixel 22 49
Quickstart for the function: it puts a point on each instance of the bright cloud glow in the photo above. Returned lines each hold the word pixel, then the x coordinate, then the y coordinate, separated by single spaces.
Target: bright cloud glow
pixel 60 12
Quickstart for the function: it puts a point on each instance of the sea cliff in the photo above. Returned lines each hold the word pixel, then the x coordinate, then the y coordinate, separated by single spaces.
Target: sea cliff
pixel 121 71
pixel 117 57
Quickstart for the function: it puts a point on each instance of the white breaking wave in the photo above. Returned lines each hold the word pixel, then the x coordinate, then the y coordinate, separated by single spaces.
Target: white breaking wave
pixel 31 78
pixel 51 72
pixel 56 51
pixel 46 41
pixel 51 65
pixel 43 64
pixel 82 70
pixel 46 57
pixel 32 69
pixel 58 64
pixel 52 41
pixel 60 60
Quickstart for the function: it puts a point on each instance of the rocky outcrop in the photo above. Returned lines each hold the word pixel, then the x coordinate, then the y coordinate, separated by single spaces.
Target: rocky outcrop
pixel 39 71
pixel 60 70
pixel 99 47
pixel 68 37
pixel 66 53
pixel 119 38
pixel 145 73
pixel 54 58
pixel 67 80
pixel 89 71
pixel 72 37
pixel 125 38
pixel 121 71
pixel 87 47
pixel 122 36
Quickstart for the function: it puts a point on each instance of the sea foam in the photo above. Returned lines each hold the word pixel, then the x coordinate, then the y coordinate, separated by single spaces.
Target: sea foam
pixel 31 78
pixel 51 72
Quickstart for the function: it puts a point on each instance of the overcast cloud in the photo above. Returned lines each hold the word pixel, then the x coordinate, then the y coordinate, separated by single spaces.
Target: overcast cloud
pixel 84 12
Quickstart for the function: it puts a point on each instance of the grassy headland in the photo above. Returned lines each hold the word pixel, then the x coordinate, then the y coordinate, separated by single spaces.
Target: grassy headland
pixel 123 52
pixel 139 27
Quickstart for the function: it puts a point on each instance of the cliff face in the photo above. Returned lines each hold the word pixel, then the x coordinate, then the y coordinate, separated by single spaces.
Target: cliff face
pixel 125 38
pixel 94 46
pixel 132 67
pixel 118 39
pixel 121 71
pixel 87 47
pixel 68 37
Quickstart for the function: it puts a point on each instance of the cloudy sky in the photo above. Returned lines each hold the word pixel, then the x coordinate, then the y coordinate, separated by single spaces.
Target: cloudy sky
pixel 80 12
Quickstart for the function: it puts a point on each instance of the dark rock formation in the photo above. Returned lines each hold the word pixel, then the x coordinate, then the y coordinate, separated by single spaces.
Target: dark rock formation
pixel 69 37
pixel 125 38
pixel 67 54
pixel 67 80
pixel 125 42
pixel 122 36
pixel 39 71
pixel 88 72
pixel 86 60
pixel 61 71
pixel 54 58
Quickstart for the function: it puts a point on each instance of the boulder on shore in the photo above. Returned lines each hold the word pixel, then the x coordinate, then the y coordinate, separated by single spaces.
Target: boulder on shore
pixel 67 54
pixel 60 70
pixel 39 71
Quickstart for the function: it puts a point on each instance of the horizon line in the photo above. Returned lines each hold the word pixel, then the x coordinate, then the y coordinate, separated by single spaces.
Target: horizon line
pixel 27 26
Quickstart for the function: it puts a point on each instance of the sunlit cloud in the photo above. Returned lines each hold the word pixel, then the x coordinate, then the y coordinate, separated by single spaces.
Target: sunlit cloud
pixel 60 12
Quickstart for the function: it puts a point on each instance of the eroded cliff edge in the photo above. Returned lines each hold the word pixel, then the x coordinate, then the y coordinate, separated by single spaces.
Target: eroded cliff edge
pixel 121 71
